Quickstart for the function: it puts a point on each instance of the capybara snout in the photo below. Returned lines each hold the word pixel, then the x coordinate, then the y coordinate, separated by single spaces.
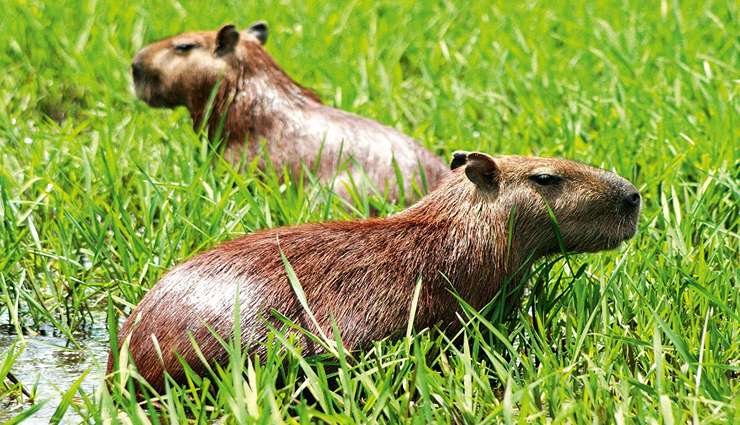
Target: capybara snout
pixel 629 198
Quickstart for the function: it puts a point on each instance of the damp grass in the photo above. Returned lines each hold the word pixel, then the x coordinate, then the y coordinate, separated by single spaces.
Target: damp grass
pixel 100 195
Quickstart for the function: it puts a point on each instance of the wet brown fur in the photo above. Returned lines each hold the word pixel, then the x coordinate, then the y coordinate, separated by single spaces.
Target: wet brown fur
pixel 257 102
pixel 362 274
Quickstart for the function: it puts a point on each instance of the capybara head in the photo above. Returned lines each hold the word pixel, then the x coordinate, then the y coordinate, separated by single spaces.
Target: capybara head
pixel 591 209
pixel 172 71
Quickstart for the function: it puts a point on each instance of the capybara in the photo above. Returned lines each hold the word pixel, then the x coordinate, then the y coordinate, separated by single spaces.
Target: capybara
pixel 486 221
pixel 257 105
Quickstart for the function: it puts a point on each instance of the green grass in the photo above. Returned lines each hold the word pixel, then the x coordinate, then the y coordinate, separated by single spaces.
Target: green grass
pixel 99 195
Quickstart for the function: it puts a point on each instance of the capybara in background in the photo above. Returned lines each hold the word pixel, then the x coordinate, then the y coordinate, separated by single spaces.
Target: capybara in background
pixel 362 274
pixel 257 102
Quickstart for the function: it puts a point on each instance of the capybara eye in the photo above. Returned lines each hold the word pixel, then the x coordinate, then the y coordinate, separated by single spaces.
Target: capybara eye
pixel 185 47
pixel 546 179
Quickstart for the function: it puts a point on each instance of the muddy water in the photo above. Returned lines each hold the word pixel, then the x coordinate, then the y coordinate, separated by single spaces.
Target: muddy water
pixel 53 367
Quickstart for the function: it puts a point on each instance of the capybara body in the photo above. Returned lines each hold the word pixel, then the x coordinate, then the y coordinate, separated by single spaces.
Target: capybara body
pixel 258 107
pixel 486 221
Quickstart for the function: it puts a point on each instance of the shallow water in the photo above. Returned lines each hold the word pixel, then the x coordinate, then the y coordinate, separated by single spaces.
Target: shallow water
pixel 47 363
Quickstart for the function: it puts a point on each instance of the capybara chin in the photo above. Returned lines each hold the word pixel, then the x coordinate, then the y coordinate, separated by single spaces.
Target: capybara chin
pixel 257 103
pixel 488 220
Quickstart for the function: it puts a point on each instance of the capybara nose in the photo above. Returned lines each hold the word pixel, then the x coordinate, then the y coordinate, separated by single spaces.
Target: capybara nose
pixel 137 70
pixel 631 200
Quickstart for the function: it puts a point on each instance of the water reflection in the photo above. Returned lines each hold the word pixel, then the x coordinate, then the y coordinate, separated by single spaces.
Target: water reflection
pixel 52 367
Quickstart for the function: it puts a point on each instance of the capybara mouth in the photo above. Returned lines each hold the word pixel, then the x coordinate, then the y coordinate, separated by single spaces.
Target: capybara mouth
pixel 605 238
pixel 624 225
pixel 146 90
pixel 145 87
pixel 624 230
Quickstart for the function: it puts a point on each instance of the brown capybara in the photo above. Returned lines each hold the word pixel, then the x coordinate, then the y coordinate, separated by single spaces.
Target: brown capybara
pixel 486 221
pixel 256 102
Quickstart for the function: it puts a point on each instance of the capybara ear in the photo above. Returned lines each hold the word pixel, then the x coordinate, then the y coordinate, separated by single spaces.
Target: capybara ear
pixel 226 40
pixel 482 170
pixel 459 158
pixel 259 30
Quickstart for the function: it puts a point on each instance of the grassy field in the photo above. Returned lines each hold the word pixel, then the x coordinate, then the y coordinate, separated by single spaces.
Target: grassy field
pixel 99 195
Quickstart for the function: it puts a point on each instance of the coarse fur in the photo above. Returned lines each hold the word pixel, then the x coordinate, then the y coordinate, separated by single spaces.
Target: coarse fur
pixel 362 274
pixel 258 106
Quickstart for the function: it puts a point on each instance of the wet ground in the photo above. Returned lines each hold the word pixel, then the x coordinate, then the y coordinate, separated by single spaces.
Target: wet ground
pixel 53 367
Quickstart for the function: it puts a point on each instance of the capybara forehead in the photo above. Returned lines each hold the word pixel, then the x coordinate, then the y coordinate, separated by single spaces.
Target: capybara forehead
pixel 197 37
pixel 514 167
pixel 202 38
